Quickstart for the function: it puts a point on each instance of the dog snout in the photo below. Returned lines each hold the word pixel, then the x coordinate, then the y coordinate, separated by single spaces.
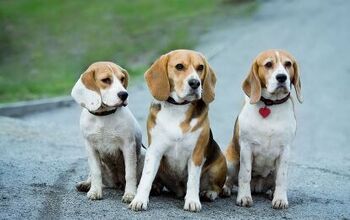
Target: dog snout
pixel 194 83
pixel 281 78
pixel 123 95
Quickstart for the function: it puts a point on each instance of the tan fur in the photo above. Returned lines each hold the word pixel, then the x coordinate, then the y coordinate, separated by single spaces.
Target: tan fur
pixel 92 77
pixel 157 79
pixel 151 121
pixel 163 78
pixel 258 75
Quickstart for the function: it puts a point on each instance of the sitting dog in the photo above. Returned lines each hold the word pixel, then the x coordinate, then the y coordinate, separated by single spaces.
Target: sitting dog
pixel 181 146
pixel 257 156
pixel 112 134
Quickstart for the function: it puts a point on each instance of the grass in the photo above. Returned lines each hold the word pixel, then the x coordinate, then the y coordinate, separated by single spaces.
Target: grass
pixel 46 45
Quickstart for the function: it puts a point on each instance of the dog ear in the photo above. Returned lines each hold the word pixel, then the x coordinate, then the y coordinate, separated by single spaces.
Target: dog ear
pixel 252 85
pixel 126 77
pixel 296 82
pixel 85 91
pixel 157 79
pixel 209 82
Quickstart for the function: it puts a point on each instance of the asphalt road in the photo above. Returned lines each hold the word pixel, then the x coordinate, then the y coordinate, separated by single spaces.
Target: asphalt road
pixel 42 155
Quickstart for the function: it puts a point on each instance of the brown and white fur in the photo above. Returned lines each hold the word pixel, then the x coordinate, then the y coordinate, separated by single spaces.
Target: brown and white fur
pixel 112 141
pixel 257 156
pixel 181 147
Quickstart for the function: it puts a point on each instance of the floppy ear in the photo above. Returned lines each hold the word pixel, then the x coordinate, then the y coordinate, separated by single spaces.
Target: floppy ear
pixel 209 81
pixel 157 79
pixel 85 92
pixel 126 77
pixel 251 85
pixel 296 82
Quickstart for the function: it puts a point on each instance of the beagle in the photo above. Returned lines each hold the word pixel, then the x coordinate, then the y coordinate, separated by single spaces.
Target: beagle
pixel 257 156
pixel 181 146
pixel 112 134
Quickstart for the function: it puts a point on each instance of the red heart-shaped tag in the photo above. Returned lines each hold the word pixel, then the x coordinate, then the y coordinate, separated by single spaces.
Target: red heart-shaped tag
pixel 264 111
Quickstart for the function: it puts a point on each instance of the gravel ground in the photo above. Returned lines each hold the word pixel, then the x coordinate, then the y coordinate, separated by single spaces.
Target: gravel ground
pixel 42 155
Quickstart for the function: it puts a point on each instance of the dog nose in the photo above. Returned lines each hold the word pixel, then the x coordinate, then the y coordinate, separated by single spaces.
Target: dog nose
pixel 123 95
pixel 281 78
pixel 194 83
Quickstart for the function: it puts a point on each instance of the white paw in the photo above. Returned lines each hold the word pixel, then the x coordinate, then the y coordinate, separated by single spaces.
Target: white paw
pixel 138 204
pixel 128 197
pixel 94 194
pixel 209 195
pixel 226 191
pixel 245 201
pixel 279 203
pixel 192 205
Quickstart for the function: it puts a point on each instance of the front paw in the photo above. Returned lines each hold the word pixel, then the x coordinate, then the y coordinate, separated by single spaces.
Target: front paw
pixel 226 191
pixel 193 205
pixel 94 194
pixel 245 201
pixel 128 197
pixel 138 204
pixel 279 203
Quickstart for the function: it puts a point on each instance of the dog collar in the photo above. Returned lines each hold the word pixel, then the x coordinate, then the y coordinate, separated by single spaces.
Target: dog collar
pixel 172 101
pixel 265 111
pixel 269 102
pixel 104 113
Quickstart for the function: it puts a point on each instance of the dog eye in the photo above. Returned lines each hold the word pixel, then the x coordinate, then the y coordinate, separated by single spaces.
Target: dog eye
pixel 200 67
pixel 268 64
pixel 179 66
pixel 122 79
pixel 106 80
pixel 287 64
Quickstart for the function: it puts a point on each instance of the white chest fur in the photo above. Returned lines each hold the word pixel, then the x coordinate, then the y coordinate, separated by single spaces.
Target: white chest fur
pixel 109 133
pixel 268 136
pixel 168 135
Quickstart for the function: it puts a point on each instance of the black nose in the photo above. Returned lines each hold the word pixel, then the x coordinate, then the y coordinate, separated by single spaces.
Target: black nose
pixel 123 95
pixel 194 83
pixel 281 78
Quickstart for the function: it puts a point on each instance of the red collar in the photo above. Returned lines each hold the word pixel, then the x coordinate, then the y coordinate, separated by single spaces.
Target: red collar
pixel 269 102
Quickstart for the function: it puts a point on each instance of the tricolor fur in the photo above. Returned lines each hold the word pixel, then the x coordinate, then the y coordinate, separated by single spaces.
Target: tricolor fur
pixel 113 141
pixel 182 154
pixel 257 156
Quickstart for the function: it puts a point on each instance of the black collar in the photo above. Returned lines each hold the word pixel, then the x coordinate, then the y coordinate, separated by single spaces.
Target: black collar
pixel 269 102
pixel 104 113
pixel 172 101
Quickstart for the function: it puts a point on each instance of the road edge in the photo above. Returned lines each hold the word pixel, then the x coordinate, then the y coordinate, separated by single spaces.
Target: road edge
pixel 18 109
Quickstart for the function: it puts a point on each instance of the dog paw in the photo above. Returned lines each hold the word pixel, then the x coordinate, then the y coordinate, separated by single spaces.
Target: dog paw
pixel 226 191
pixel 128 197
pixel 192 205
pixel 94 194
pixel 279 203
pixel 83 186
pixel 245 201
pixel 138 204
pixel 209 195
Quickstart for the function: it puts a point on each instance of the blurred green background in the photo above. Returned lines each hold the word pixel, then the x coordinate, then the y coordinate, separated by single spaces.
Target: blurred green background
pixel 46 45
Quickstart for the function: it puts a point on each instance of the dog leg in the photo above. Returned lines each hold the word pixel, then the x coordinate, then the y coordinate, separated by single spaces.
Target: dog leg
pixel 192 202
pixel 95 191
pixel 150 168
pixel 280 200
pixel 244 197
pixel 84 186
pixel 130 160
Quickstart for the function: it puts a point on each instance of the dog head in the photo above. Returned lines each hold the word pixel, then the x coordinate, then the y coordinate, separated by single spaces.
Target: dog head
pixel 183 75
pixel 102 84
pixel 272 74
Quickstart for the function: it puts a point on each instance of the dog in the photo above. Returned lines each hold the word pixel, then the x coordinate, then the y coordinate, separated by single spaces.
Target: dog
pixel 181 145
pixel 112 135
pixel 257 156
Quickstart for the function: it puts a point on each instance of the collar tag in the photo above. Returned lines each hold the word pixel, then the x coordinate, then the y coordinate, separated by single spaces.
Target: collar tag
pixel 265 111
